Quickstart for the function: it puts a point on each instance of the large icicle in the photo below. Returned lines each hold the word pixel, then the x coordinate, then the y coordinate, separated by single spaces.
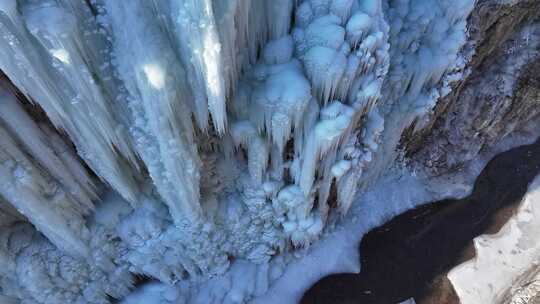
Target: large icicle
pixel 55 76
pixel 159 103
pixel 201 50
pixel 71 175
pixel 232 19
pixel 23 184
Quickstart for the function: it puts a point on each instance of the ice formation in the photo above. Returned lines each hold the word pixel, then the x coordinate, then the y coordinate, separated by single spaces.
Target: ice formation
pixel 233 131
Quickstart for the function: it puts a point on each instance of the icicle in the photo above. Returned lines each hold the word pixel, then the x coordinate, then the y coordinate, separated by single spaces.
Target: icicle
pixel 279 101
pixel 278 14
pixel 71 160
pixel 225 13
pixel 232 19
pixel 367 95
pixel 325 180
pixel 281 129
pixel 348 78
pixel 323 194
pixel 346 191
pixel 22 184
pixel 241 100
pixel 257 158
pixel 242 132
pixel 89 107
pixel 373 130
pixel 335 121
pixel 325 67
pixel 321 55
pixel 258 32
pixel 40 77
pixel 311 115
pixel 276 163
pixel 159 104
pixel 357 27
pixel 35 141
pixel 197 35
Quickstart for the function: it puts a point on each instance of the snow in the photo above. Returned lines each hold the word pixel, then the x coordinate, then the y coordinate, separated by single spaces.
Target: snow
pixel 504 260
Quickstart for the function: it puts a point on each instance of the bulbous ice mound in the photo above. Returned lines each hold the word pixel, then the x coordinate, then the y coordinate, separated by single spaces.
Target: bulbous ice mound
pixel 200 141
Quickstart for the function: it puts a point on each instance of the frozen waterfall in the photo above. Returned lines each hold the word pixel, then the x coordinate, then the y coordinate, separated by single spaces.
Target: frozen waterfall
pixel 177 139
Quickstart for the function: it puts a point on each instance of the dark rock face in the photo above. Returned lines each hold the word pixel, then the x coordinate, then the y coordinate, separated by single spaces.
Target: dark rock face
pixel 501 93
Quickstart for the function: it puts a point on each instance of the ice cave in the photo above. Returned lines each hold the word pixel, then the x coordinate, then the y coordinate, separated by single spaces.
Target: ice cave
pixel 235 151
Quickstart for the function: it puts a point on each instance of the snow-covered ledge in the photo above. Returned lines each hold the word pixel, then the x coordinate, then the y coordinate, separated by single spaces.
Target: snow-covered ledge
pixel 506 266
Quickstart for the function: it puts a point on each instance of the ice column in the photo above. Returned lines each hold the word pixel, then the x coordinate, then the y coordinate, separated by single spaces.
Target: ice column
pixel 159 102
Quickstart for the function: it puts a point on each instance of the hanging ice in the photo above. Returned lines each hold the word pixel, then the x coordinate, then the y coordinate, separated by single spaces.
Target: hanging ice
pixel 202 53
pixel 54 72
pixel 55 209
pixel 159 101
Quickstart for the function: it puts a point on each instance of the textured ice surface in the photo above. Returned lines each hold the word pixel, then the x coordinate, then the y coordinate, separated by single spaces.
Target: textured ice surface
pixel 337 251
pixel 223 137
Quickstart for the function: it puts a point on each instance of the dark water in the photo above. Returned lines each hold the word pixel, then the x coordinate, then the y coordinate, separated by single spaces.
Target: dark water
pixel 410 255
